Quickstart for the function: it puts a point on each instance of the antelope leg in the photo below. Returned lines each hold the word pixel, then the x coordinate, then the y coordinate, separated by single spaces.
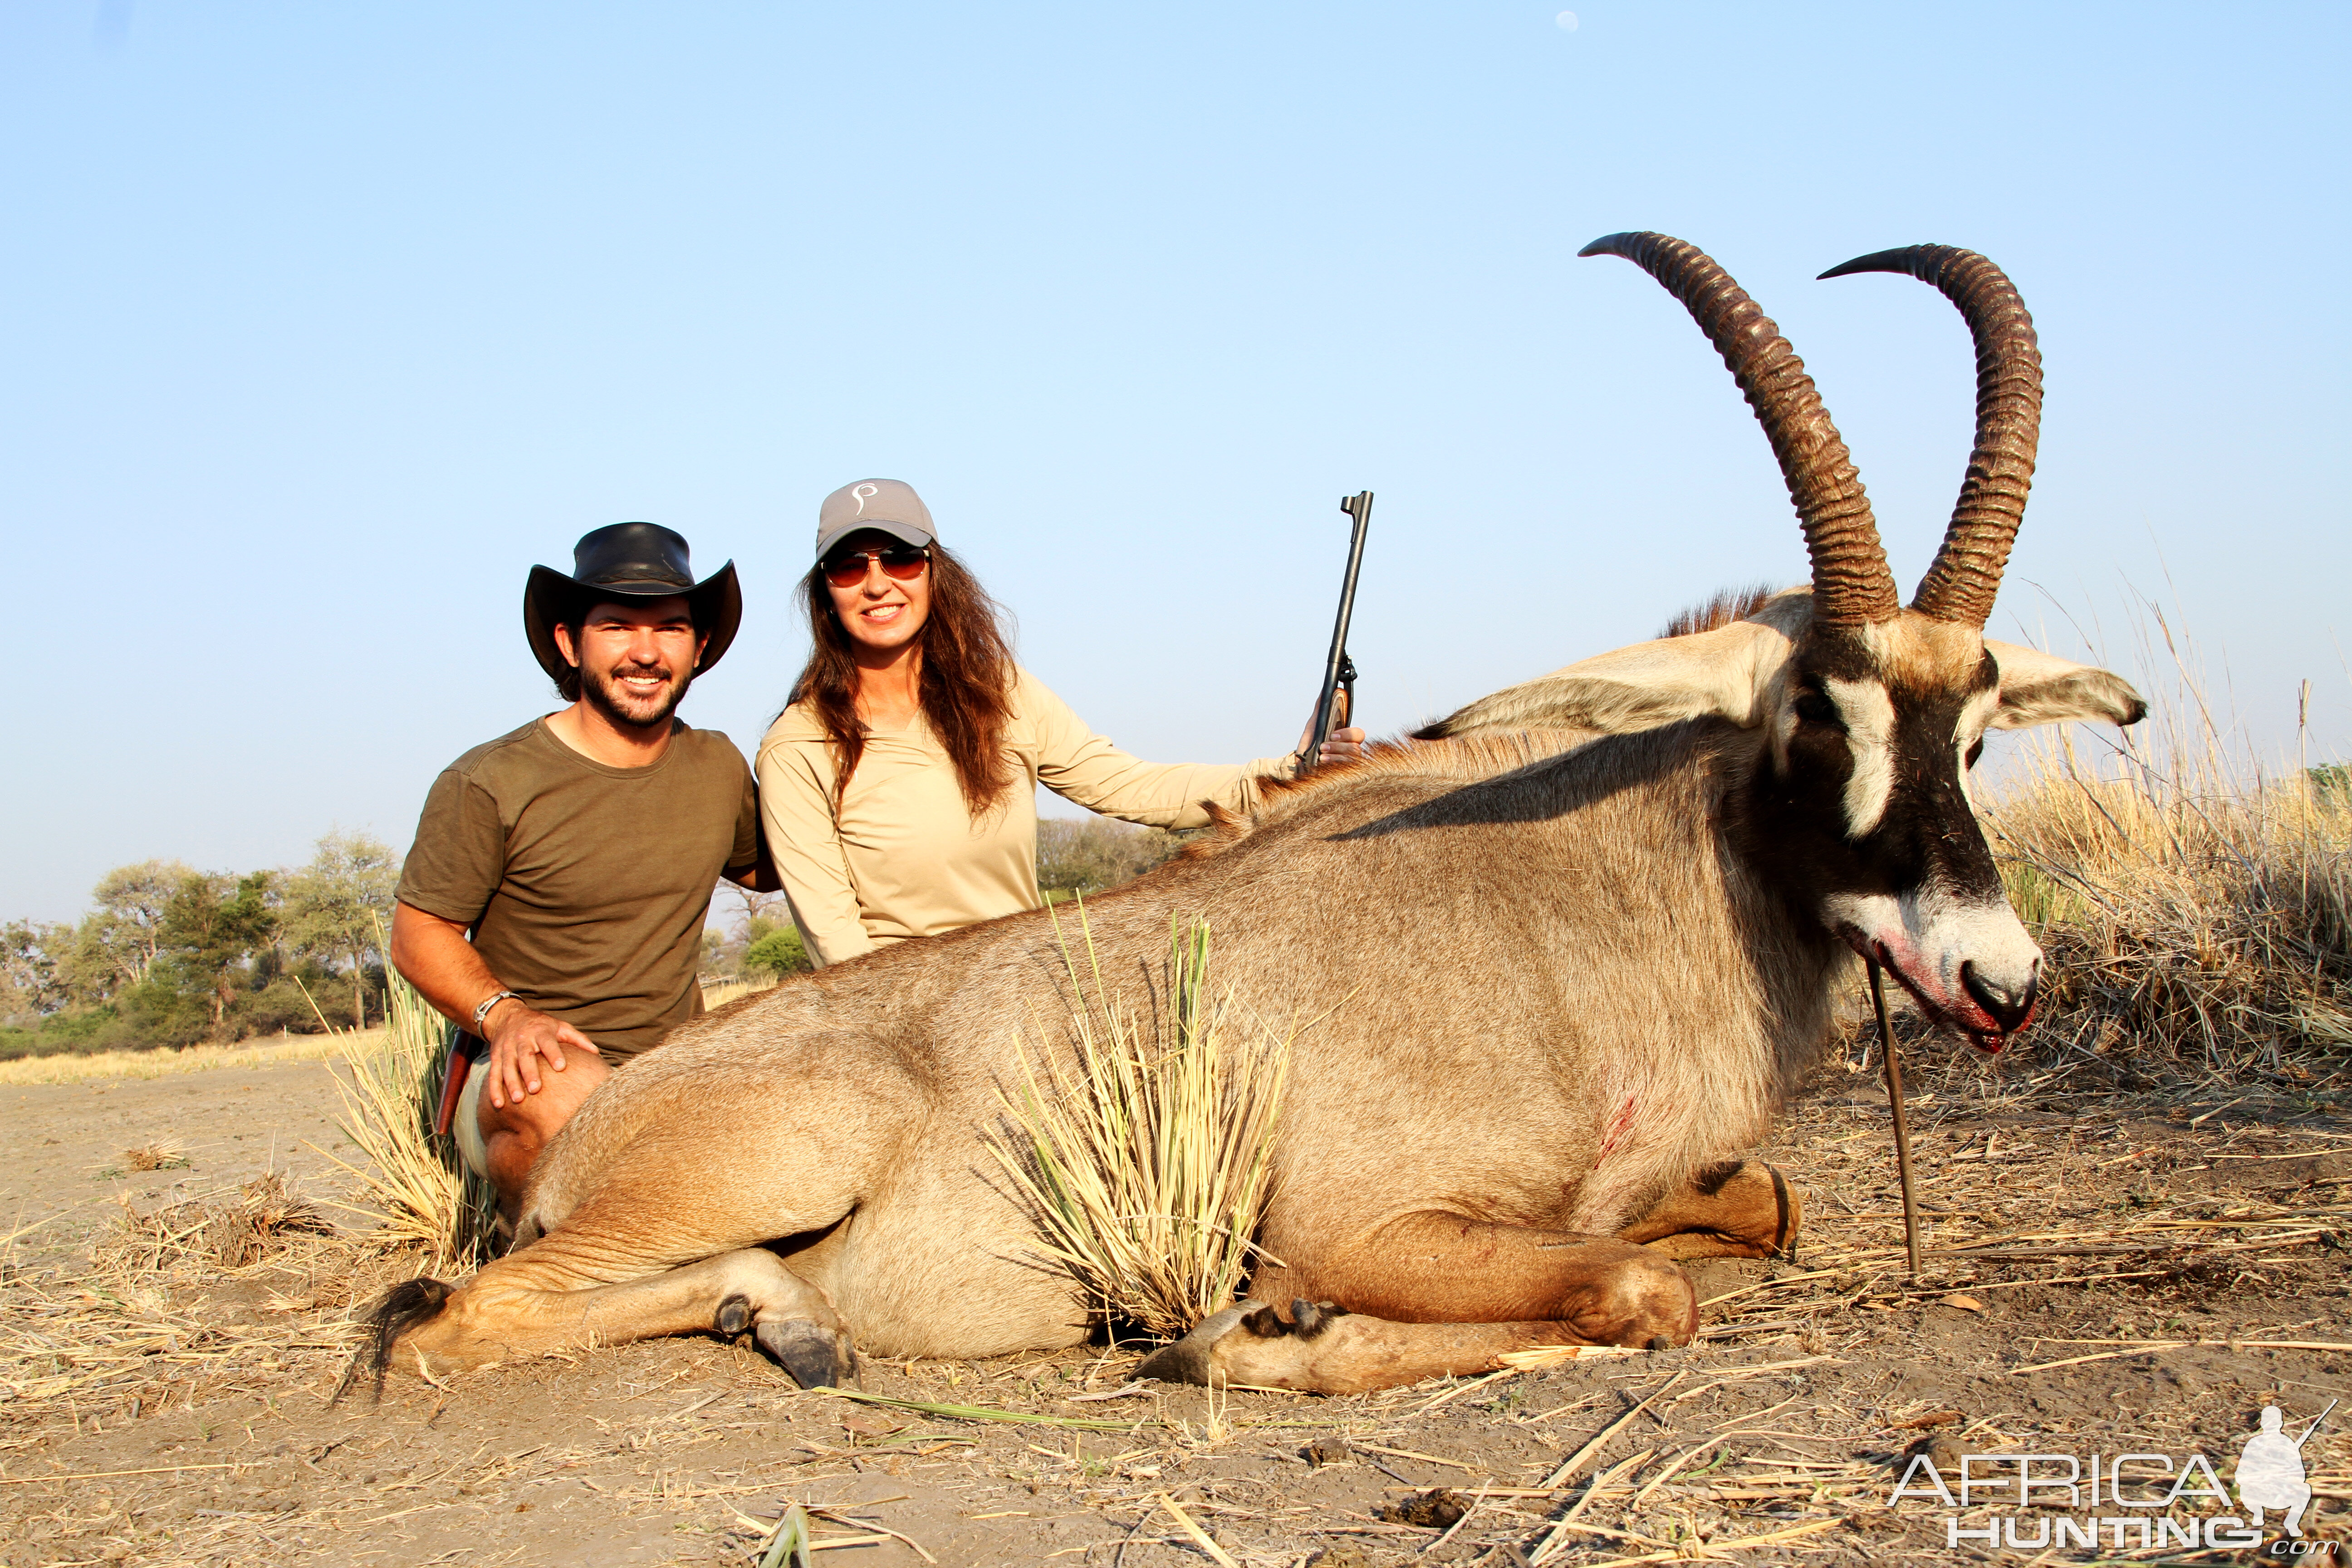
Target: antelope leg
pixel 1433 1293
pixel 1322 1350
pixel 503 1313
pixel 1435 1266
pixel 1737 1208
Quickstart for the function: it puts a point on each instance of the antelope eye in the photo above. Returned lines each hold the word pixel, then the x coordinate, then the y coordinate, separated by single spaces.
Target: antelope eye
pixel 1815 708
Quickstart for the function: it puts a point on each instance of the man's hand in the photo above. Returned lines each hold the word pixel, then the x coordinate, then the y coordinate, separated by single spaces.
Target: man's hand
pixel 435 955
pixel 520 1036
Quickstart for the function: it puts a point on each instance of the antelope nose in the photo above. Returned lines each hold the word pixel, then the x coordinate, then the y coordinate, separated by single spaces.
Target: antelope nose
pixel 2007 1006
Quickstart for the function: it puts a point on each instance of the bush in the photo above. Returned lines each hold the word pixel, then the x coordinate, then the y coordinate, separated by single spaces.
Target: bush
pixel 779 953
pixel 2196 917
pixel 167 1008
pixel 80 1030
pixel 1091 854
pixel 281 1004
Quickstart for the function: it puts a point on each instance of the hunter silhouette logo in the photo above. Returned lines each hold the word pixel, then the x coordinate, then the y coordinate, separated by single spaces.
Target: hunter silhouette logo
pixel 2122 1500
pixel 2270 1470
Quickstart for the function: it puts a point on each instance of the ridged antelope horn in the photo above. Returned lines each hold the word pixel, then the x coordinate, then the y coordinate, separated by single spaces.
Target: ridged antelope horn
pixel 1852 586
pixel 1961 585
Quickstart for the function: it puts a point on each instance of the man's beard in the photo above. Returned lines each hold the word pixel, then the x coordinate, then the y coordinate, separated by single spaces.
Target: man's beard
pixel 605 693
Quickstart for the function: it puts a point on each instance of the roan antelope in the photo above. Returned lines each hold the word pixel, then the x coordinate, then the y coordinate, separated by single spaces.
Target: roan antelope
pixel 1609 911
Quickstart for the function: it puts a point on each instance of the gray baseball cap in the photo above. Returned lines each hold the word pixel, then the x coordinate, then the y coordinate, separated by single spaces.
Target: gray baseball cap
pixel 891 505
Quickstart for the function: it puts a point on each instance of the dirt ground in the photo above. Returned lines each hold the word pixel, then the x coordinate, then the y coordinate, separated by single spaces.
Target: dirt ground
pixel 2108 1272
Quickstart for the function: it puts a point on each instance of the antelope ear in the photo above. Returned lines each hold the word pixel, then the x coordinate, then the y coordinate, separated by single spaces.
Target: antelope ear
pixel 1723 674
pixel 2037 687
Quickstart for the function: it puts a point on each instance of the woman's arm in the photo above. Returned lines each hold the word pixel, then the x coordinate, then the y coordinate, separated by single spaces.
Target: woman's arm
pixel 796 808
pixel 749 864
pixel 1084 767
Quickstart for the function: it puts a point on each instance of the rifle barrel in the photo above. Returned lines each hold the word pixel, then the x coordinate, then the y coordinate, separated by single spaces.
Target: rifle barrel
pixel 1359 507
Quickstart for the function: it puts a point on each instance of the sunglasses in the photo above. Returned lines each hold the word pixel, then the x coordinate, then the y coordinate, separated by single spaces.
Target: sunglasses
pixel 904 561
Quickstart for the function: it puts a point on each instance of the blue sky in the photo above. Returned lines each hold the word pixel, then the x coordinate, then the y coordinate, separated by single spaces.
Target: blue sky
pixel 322 323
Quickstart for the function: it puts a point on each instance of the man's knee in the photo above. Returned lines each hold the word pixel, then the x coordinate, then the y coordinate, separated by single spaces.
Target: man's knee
pixel 536 1118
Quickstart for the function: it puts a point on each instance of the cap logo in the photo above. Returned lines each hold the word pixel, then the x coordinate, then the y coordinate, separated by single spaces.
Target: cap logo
pixel 861 492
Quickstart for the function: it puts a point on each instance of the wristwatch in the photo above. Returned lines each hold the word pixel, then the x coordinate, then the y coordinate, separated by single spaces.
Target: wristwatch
pixel 492 1000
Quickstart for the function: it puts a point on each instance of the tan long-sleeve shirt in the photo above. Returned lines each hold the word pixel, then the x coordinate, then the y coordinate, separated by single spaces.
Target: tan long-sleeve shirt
pixel 903 856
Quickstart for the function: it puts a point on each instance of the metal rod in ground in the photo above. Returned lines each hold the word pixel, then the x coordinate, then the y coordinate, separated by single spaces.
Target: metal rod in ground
pixel 1902 1128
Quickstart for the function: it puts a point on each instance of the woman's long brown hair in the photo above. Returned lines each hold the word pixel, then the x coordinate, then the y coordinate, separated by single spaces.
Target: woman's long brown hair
pixel 965 684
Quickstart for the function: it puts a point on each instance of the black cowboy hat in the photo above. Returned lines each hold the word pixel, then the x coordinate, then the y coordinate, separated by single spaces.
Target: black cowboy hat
pixel 628 560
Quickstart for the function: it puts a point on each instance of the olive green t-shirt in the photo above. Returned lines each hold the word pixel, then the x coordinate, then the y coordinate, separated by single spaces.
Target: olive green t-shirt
pixel 584 886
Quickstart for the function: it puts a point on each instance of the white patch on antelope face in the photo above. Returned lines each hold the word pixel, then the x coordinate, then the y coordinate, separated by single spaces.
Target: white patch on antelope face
pixel 1933 943
pixel 1869 715
pixel 1974 717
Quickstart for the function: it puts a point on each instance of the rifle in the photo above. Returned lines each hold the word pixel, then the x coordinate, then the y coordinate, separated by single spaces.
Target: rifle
pixel 1337 702
pixel 465 1048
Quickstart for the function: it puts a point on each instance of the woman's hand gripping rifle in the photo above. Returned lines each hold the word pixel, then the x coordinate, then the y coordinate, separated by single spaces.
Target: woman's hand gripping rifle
pixel 1335 704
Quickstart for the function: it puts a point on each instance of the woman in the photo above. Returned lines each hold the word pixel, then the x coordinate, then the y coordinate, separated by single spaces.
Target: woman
pixel 899 788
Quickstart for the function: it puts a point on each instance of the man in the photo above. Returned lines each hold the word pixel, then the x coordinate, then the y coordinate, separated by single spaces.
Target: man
pixel 553 903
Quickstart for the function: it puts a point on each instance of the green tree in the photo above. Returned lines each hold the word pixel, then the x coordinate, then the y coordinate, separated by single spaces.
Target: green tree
pixel 32 977
pixel 778 953
pixel 122 935
pixel 339 905
pixel 211 927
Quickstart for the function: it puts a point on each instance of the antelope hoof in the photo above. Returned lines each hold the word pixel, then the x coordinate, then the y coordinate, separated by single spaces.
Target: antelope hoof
pixel 1196 1357
pixel 1737 1208
pixel 734 1316
pixel 1791 1219
pixel 411 1305
pixel 814 1356
pixel 1188 1360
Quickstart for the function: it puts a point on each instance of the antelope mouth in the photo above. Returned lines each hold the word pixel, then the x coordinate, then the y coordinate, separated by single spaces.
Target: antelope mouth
pixel 1954 1014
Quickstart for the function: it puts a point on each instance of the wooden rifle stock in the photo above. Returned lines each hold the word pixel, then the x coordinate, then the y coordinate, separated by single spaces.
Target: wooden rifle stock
pixel 462 1047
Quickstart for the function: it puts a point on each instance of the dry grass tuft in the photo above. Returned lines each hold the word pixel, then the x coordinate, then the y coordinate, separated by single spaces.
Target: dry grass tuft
pixel 141 1325
pixel 230 1231
pixel 163 1154
pixel 413 1185
pixel 717 997
pixel 2197 915
pixel 1146 1152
